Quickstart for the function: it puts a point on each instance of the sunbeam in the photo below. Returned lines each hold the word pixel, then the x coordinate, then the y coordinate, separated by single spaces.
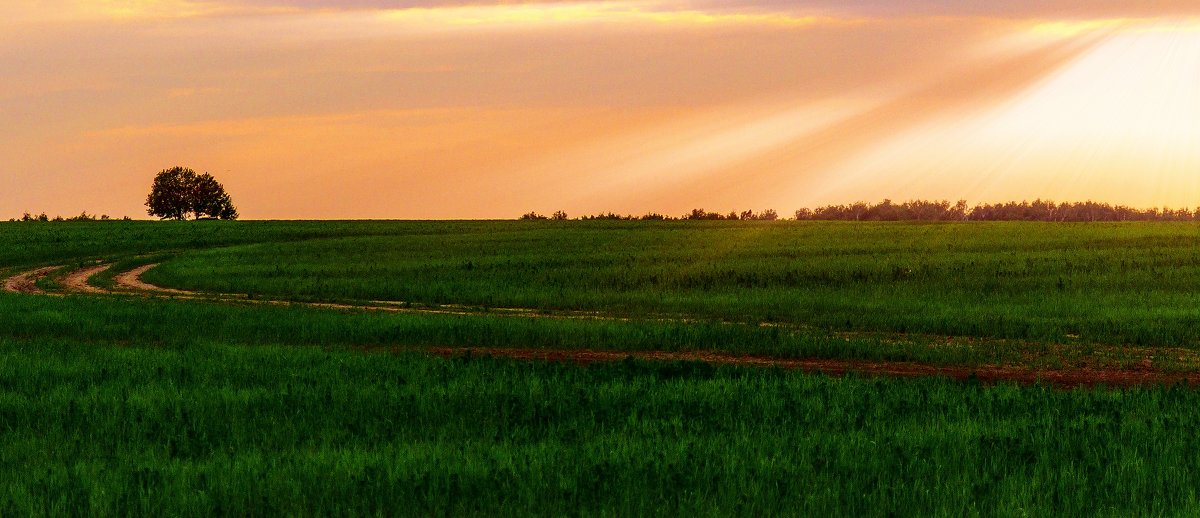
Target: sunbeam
pixel 1121 123
pixel 755 156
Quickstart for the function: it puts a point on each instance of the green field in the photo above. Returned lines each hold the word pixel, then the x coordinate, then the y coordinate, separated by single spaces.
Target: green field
pixel 117 404
pixel 1109 283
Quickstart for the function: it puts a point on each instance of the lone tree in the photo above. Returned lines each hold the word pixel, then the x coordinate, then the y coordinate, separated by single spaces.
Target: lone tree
pixel 180 193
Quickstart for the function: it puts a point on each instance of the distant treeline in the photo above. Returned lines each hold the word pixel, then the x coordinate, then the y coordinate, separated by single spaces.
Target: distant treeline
pixel 82 217
pixel 922 210
pixel 696 214
pixel 1037 210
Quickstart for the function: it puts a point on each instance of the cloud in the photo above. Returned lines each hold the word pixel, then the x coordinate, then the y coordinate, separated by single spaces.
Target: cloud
pixel 701 10
pixel 1017 9
pixel 384 124
pixel 746 157
pixel 380 108
pixel 854 8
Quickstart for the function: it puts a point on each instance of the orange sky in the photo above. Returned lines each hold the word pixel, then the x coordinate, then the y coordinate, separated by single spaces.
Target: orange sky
pixel 451 109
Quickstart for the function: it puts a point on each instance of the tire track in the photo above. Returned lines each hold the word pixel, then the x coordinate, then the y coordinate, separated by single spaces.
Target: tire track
pixel 1100 367
pixel 26 282
pixel 132 280
pixel 77 281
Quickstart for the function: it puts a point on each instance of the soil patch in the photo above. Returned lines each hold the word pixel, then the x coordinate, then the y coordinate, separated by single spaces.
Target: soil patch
pixel 1064 365
pixel 132 280
pixel 77 281
pixel 26 282
pixel 1063 378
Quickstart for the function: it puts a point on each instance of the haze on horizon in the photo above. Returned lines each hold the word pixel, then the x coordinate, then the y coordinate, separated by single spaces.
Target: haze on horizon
pixel 447 109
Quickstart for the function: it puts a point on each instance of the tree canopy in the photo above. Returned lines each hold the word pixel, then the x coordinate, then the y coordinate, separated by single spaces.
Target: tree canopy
pixel 181 193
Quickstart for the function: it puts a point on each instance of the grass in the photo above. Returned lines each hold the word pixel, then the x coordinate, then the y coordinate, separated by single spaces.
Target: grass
pixel 215 429
pixel 73 243
pixel 1104 283
pixel 126 405
pixel 183 322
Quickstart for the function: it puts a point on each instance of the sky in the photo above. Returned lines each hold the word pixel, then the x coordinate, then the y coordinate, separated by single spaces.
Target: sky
pixel 413 109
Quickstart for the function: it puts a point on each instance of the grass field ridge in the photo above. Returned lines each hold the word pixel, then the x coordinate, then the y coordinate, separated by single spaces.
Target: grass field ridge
pixel 601 368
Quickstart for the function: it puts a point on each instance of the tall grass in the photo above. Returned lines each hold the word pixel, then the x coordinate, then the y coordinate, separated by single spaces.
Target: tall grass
pixel 122 405
pixel 178 323
pixel 213 429
pixel 1132 283
pixel 30 243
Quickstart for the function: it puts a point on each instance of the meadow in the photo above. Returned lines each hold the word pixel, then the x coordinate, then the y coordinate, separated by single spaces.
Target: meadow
pixel 1107 283
pixel 119 404
pixel 214 429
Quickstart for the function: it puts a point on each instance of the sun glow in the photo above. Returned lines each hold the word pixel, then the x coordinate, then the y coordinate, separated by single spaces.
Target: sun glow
pixel 444 108
pixel 140 9
pixel 1072 29
pixel 525 15
pixel 1121 123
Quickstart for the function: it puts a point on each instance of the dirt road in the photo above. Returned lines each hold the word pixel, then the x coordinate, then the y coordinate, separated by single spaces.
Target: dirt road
pixel 1098 368
pixel 132 280
pixel 26 282
pixel 77 281
pixel 989 374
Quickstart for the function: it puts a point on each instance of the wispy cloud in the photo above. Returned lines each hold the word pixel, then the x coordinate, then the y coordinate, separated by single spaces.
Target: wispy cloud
pixel 394 108
pixel 886 8
pixel 558 11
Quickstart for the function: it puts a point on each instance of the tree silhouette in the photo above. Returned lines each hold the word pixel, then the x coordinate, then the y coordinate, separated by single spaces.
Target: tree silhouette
pixel 210 199
pixel 179 193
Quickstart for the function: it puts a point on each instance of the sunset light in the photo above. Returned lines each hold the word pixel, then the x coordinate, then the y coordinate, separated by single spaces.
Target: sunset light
pixel 534 15
pixel 672 258
pixel 1119 122
pixel 485 110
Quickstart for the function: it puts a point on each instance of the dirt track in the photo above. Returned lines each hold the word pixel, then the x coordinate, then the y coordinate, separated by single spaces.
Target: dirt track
pixel 132 280
pixel 1065 378
pixel 1098 369
pixel 26 282
pixel 77 280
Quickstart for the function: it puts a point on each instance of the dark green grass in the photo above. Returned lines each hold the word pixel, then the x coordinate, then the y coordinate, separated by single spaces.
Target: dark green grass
pixel 120 405
pixel 70 243
pixel 205 429
pixel 1115 283
pixel 182 322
